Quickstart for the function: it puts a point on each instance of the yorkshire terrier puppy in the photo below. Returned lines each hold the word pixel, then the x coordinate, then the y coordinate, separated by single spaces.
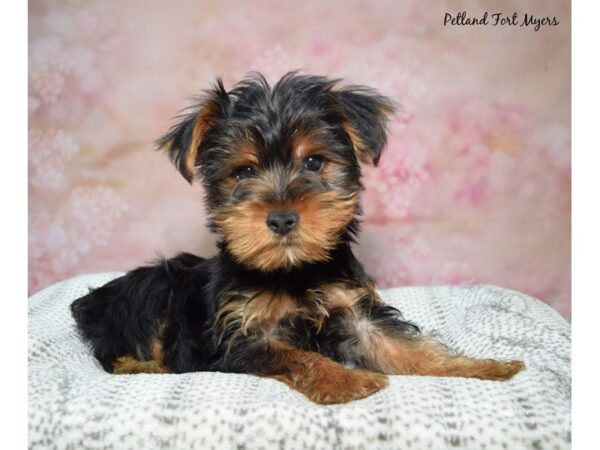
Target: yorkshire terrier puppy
pixel 285 297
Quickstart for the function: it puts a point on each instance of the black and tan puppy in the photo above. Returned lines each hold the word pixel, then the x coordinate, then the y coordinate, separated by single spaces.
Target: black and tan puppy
pixel 285 297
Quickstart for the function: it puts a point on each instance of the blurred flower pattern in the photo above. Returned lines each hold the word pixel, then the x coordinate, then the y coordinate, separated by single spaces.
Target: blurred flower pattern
pixel 474 186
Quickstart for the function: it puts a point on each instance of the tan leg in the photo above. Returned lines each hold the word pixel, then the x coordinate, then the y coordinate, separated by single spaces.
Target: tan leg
pixel 380 341
pixel 325 381
pixel 427 357
pixel 131 365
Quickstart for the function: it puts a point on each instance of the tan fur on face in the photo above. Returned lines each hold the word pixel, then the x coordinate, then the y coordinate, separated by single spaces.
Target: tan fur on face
pixel 304 146
pixel 246 154
pixel 321 218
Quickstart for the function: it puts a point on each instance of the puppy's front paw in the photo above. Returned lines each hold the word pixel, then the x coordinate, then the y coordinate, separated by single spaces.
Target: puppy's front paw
pixel 344 386
pixel 499 370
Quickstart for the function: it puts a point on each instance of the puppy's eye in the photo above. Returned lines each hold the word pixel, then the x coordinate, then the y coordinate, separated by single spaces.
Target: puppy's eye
pixel 243 172
pixel 313 163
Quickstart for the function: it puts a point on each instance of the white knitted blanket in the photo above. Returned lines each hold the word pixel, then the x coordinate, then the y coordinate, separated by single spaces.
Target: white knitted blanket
pixel 74 404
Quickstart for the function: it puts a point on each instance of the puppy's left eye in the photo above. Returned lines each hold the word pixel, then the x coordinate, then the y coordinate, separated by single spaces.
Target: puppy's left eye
pixel 313 163
pixel 243 172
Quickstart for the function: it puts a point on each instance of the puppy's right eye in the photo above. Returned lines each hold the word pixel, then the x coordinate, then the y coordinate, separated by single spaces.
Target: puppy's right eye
pixel 243 172
pixel 314 163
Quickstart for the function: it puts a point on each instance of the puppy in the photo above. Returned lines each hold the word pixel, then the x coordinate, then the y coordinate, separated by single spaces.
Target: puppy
pixel 285 297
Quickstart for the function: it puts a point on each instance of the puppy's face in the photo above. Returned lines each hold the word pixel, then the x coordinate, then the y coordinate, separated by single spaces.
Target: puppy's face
pixel 281 165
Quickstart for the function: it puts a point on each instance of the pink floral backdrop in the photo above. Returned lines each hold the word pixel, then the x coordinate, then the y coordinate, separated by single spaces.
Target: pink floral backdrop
pixel 474 186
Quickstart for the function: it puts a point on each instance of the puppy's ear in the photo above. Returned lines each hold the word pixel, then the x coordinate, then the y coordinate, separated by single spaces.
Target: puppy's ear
pixel 184 139
pixel 366 114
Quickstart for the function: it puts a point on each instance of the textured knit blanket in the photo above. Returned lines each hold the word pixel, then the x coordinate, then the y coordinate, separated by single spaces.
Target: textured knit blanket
pixel 74 404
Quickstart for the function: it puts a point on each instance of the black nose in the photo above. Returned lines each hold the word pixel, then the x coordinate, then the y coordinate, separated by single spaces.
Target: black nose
pixel 282 221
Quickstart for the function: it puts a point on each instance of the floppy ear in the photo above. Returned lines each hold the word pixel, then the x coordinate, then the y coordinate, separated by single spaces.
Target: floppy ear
pixel 183 140
pixel 366 114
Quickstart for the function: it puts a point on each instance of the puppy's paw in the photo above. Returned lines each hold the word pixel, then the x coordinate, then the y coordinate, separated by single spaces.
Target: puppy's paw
pixel 128 365
pixel 345 386
pixel 498 370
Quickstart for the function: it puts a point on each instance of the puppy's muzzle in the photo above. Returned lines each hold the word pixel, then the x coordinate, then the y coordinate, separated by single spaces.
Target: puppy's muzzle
pixel 283 221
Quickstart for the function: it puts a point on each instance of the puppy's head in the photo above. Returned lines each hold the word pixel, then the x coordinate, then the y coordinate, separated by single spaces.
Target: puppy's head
pixel 281 164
